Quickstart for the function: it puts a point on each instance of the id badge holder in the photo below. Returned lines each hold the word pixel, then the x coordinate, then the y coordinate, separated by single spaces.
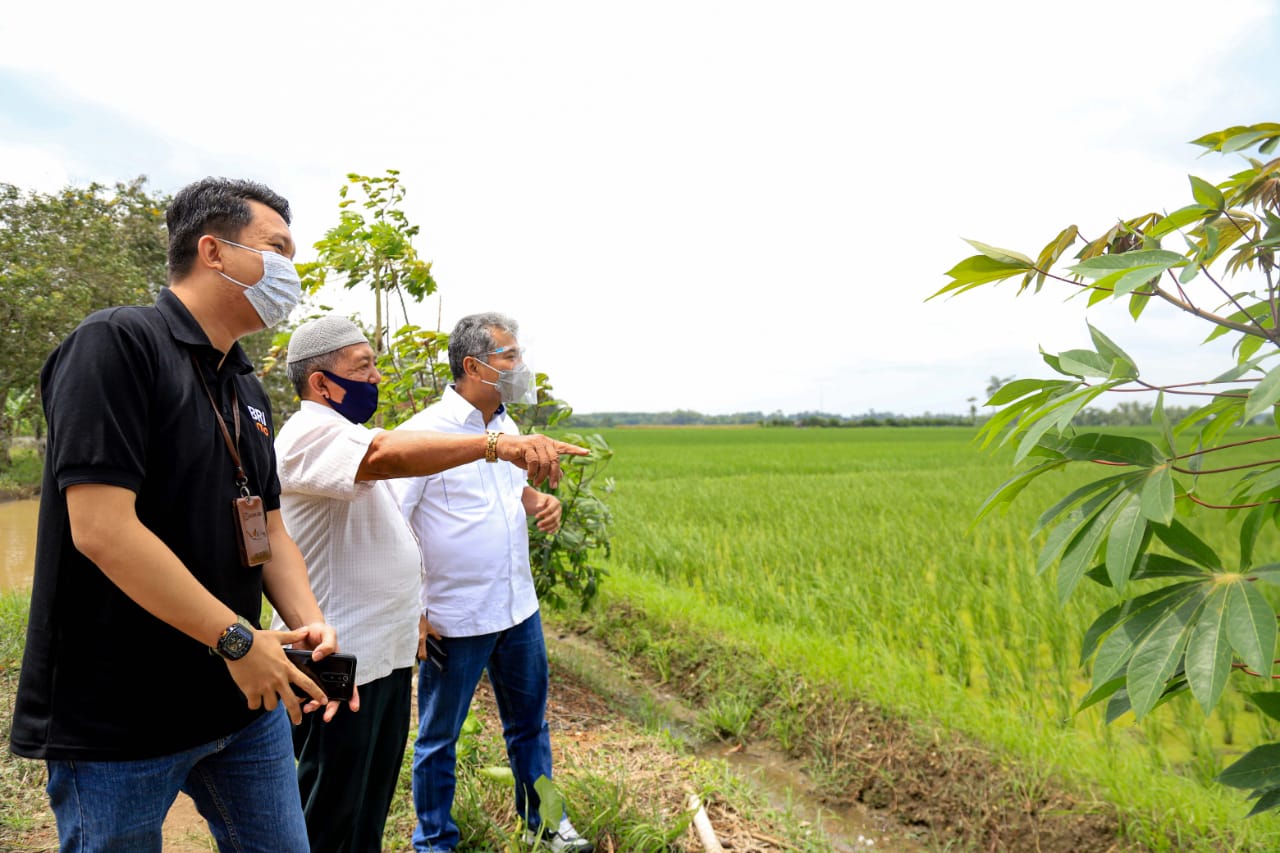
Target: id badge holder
pixel 251 529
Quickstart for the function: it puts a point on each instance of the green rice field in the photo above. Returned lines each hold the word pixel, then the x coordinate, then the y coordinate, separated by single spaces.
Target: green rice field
pixel 850 556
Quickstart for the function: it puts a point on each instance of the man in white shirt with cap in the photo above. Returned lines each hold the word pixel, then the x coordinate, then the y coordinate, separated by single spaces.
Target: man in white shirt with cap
pixel 364 566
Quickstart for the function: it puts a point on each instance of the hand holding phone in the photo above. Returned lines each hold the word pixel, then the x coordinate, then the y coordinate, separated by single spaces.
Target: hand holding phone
pixel 335 674
pixel 436 653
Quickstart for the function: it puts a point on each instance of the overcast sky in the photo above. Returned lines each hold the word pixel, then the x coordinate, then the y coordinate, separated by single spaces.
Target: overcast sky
pixel 721 206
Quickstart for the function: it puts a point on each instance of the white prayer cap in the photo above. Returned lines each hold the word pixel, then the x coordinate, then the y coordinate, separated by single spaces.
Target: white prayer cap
pixel 323 335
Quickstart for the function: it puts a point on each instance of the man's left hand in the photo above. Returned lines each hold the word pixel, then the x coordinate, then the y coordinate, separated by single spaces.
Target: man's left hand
pixel 544 509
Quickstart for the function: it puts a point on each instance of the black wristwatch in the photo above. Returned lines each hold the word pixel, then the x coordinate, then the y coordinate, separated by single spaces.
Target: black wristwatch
pixel 236 640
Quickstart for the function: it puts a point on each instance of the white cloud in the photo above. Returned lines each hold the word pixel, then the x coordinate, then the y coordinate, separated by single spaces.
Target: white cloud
pixel 711 205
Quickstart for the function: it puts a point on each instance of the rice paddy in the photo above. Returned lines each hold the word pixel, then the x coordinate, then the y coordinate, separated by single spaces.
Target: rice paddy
pixel 850 556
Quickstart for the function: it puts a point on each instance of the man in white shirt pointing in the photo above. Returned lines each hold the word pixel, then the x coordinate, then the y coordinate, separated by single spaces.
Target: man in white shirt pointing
pixel 480 608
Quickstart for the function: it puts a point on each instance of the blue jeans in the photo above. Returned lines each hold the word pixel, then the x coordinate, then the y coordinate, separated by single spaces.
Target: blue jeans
pixel 244 785
pixel 517 662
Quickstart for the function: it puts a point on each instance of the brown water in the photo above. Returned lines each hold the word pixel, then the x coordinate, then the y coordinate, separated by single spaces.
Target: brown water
pixel 17 543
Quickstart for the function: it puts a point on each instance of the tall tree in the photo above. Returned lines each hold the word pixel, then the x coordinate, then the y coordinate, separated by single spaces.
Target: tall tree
pixel 62 256
pixel 372 247
pixel 1198 616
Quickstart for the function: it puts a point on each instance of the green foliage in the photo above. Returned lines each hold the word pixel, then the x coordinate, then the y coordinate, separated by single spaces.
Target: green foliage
pixel 372 247
pixel 1190 617
pixel 570 559
pixel 62 256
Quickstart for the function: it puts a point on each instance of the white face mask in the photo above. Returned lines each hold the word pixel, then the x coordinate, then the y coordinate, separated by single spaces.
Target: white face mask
pixel 516 385
pixel 279 290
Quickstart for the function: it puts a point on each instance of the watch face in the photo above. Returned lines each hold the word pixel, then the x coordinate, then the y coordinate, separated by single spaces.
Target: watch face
pixel 235 642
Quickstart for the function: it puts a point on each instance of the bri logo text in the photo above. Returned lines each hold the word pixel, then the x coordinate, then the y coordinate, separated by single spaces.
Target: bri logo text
pixel 259 418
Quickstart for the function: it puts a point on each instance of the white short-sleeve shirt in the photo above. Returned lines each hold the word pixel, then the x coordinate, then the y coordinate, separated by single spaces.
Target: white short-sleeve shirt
pixel 472 529
pixel 362 559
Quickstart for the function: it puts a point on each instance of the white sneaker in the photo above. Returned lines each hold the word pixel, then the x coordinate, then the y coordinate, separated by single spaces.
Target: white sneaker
pixel 563 838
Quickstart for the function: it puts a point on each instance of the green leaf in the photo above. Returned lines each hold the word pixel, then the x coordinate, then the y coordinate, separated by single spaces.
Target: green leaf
pixel 1263 395
pixel 1071 526
pixel 1183 542
pixel 1012 487
pixel 1100 628
pixel 550 801
pixel 1003 256
pixel 1121 449
pixel 1159 259
pixel 1251 626
pixel 1156 655
pixel 1102 691
pixel 1249 530
pixel 1157 495
pixel 1141 613
pixel 1082 548
pixel 1270 573
pixel 1055 414
pixel 1206 193
pixel 1243 140
pixel 1125 540
pixel 1106 346
pixel 498 774
pixel 1268 798
pixel 1161 421
pixel 1258 768
pixel 1075 497
pixel 975 271
pixel 1152 567
pixel 1138 302
pixel 1083 362
pixel 1268 703
pixel 1125 281
pixel 1011 391
pixel 1209 651
pixel 1178 219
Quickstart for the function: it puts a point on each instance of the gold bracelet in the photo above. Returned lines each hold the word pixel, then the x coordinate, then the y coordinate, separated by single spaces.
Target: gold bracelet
pixel 491 446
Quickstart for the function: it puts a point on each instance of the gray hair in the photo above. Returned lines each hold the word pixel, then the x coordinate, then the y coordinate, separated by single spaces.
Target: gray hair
pixel 299 371
pixel 473 336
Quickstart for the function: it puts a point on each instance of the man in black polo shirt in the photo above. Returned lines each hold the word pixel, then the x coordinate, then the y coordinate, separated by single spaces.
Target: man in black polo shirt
pixel 145 672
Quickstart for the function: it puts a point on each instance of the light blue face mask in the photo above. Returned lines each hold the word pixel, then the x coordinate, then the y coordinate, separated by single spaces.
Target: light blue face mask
pixel 279 290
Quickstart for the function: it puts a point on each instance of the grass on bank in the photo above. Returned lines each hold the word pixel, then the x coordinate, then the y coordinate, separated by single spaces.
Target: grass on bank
pixel 846 558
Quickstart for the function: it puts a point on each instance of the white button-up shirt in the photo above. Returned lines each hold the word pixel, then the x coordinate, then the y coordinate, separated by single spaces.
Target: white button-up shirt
pixel 471 527
pixel 362 560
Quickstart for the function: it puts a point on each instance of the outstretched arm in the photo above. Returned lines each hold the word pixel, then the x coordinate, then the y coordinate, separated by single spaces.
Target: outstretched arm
pixel 419 453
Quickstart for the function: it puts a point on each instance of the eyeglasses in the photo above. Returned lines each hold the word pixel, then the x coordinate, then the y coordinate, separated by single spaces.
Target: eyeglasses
pixel 515 352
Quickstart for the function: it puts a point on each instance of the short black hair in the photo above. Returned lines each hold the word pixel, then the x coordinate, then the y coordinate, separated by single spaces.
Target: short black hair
pixel 213 206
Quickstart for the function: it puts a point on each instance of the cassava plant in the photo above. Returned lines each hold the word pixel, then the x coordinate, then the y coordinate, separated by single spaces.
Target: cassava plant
pixel 1189 617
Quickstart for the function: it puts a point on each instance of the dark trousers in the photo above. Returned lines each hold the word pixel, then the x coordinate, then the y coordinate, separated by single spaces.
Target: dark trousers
pixel 348 767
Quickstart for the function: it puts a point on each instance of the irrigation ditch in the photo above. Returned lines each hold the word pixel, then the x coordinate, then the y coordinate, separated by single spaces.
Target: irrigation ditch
pixel 778 777
pixel 852 768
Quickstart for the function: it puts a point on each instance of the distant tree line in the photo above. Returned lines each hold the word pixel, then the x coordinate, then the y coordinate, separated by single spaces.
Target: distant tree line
pixel 1124 414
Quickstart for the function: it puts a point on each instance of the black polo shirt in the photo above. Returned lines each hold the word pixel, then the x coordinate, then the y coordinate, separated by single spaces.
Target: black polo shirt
pixel 101 678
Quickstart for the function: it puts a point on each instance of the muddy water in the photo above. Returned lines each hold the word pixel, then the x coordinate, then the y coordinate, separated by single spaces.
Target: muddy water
pixel 17 543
